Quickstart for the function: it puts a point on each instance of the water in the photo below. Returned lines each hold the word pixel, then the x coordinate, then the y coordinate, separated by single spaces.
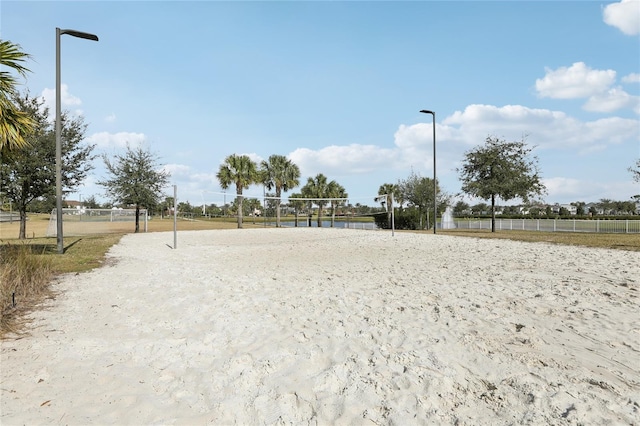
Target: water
pixel 447 219
pixel 302 223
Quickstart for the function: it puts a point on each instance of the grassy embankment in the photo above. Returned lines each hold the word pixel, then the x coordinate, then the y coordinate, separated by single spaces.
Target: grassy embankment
pixel 27 266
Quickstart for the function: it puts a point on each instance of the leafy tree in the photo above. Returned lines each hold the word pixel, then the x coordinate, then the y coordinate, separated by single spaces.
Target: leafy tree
pixel 241 171
pixel 42 204
pixel 398 195
pixel 461 208
pixel 281 174
pixel 15 123
pixel 418 191
pixel 510 210
pixel 253 205
pixel 500 169
pixel 91 202
pixel 635 171
pixel 580 205
pixel 214 210
pixel 297 204
pixel 480 209
pixel 135 178
pixel 185 207
pixel 606 205
pixel 232 207
pixel 625 207
pixel 27 174
pixel 271 205
pixel 535 211
pixel 388 191
pixel 636 203
pixel 166 206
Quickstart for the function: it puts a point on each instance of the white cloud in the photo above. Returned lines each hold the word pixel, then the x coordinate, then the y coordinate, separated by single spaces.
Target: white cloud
pixel 66 99
pixel 177 170
pixel 612 100
pixel 611 130
pixel 544 128
pixel 413 144
pixel 254 157
pixel 576 81
pixel 624 15
pixel 561 187
pixel 580 81
pixel 342 160
pixel 110 118
pixel 105 140
pixel 204 177
pixel 478 117
pixel 471 126
pixel 631 78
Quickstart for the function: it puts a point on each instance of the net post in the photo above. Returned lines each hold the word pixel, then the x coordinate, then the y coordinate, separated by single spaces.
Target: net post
pixel 175 217
pixel 393 218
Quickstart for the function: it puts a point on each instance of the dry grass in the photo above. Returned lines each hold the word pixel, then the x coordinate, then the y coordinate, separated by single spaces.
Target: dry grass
pixel 25 273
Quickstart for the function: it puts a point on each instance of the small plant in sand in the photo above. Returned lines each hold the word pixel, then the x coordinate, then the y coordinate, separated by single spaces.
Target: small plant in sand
pixel 24 277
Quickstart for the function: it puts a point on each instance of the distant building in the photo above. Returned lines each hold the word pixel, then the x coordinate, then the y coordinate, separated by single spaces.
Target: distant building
pixel 72 204
pixel 569 207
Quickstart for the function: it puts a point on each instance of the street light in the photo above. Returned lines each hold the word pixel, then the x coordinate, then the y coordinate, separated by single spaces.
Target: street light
pixel 435 187
pixel 78 34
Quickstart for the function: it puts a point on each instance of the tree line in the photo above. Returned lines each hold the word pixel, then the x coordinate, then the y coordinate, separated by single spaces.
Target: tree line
pixel 278 173
pixel 499 169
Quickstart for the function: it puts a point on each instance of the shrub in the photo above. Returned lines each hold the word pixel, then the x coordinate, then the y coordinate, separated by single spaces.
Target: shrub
pixel 404 219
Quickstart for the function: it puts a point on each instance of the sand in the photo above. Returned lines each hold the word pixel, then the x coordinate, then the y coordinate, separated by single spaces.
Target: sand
pixel 333 326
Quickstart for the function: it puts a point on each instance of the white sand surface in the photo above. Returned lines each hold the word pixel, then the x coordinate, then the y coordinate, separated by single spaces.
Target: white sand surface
pixel 333 326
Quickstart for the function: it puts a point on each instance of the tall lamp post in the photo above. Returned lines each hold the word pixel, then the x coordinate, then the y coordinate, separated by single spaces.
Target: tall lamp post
pixel 435 187
pixel 78 34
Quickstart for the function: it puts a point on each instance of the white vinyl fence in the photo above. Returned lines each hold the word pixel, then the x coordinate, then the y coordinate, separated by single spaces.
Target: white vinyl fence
pixel 613 226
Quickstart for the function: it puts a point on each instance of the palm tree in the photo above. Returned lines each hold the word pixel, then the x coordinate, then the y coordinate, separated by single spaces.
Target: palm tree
pixel 241 171
pixel 14 123
pixel 316 188
pixel 335 190
pixel 319 190
pixel 281 174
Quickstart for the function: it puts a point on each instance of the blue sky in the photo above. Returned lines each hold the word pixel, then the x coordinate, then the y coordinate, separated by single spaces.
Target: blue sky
pixel 338 86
